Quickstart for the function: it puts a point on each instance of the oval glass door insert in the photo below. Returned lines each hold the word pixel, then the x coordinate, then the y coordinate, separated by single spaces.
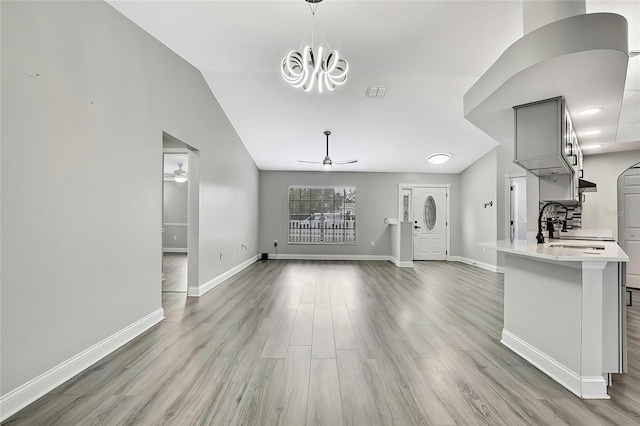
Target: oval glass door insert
pixel 430 213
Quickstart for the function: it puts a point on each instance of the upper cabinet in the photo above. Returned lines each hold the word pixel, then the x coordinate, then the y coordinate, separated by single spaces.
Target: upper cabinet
pixel 546 144
pixel 544 138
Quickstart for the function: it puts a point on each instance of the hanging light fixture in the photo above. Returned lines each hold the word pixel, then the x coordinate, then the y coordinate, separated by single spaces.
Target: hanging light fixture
pixel 180 175
pixel 303 68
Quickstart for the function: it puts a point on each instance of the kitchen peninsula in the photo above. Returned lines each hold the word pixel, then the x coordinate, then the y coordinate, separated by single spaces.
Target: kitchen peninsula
pixel 564 310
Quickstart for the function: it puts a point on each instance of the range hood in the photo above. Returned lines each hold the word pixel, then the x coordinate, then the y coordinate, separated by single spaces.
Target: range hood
pixel 586 186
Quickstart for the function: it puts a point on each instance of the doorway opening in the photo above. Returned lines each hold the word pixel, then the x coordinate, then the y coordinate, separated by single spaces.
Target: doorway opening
pixel 180 217
pixel 516 214
pixel 629 221
pixel 175 222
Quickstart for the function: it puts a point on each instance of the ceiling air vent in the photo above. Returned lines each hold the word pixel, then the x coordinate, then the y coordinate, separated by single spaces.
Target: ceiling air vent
pixel 376 92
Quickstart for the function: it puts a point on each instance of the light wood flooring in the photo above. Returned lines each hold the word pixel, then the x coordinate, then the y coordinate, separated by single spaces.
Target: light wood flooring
pixel 332 343
pixel 174 268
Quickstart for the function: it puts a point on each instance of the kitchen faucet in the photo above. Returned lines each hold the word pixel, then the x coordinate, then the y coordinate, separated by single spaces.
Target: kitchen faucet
pixel 540 237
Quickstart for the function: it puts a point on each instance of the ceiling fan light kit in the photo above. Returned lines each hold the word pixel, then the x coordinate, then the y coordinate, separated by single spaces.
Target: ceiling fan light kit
pixel 327 162
pixel 179 175
pixel 303 68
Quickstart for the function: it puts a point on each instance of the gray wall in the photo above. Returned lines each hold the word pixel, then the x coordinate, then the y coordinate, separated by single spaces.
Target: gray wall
pixel 377 198
pixel 174 211
pixel 479 224
pixel 599 211
pixel 81 243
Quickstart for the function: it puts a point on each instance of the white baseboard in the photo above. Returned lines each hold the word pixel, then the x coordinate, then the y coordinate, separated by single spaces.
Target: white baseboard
pixel 583 387
pixel 24 395
pixel 199 291
pixel 174 250
pixel 401 264
pixel 329 257
pixel 487 266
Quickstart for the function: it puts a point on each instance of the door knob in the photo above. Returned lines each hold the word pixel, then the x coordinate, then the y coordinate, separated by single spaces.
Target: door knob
pixel 632 235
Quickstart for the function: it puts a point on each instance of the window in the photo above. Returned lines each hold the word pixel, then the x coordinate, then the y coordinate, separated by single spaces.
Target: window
pixel 319 215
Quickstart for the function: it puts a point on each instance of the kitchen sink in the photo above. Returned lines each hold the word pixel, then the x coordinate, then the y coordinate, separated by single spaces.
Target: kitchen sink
pixel 576 246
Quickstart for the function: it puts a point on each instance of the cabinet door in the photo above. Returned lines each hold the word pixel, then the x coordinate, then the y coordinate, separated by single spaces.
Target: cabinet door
pixel 538 130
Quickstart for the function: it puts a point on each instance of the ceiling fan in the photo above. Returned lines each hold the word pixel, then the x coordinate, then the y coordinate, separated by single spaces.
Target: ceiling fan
pixel 179 175
pixel 327 163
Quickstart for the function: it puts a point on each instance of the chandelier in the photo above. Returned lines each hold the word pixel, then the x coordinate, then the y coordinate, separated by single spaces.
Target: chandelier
pixel 303 68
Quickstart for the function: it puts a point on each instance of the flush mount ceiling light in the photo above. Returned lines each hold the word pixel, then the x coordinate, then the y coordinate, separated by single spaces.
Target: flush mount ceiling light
pixel 303 68
pixel 438 158
pixel 590 111
pixel 179 175
pixel 592 132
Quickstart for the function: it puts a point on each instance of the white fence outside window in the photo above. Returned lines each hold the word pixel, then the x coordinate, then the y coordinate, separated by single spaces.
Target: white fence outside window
pixel 322 215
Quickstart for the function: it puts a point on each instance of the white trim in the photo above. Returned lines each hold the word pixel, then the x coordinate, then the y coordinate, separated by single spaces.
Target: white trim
pixel 199 291
pixel 582 386
pixel 594 388
pixel 177 224
pixel 283 256
pixel 25 394
pixel 400 264
pixel 175 250
pixel 487 266
pixel 426 185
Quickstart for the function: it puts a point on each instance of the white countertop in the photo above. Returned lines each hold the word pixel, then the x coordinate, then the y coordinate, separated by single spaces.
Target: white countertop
pixel 611 252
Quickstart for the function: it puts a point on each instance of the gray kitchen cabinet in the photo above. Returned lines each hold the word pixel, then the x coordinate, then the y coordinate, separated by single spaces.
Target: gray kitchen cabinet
pixel 547 146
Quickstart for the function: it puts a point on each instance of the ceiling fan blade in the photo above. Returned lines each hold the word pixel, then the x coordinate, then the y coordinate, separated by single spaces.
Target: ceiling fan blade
pixel 312 162
pixel 345 162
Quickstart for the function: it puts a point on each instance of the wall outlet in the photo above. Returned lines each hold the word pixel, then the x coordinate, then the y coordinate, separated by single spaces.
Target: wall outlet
pixel 373 243
pixel 484 249
pixel 175 237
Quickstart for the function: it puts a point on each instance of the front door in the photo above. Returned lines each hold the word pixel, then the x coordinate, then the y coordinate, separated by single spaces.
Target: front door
pixel 630 223
pixel 429 223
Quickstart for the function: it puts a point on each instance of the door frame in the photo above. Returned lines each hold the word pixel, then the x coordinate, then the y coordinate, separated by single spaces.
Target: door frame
pixel 507 204
pixel 403 187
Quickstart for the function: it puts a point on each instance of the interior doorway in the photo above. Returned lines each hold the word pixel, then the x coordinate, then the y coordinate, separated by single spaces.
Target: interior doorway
pixel 175 222
pixel 180 217
pixel 517 207
pixel 629 221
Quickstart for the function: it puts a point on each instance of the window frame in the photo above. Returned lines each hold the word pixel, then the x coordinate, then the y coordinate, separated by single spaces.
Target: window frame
pixel 309 231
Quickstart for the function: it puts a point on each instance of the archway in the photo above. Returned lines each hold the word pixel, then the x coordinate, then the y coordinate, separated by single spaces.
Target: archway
pixel 629 221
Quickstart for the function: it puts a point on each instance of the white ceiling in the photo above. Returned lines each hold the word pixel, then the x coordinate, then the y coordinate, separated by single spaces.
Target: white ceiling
pixel 427 54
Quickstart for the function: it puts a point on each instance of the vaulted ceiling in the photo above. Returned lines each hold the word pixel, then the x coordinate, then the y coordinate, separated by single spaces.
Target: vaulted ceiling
pixel 426 53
